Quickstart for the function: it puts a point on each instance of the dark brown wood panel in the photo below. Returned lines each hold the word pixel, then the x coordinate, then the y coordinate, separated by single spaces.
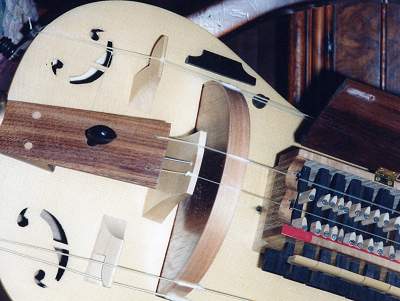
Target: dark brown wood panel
pixel 318 40
pixel 360 125
pixel 393 49
pixel 58 136
pixel 297 57
pixel 358 41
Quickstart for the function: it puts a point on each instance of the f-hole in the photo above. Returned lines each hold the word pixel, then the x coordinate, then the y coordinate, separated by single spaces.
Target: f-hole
pixel 59 236
pixel 39 276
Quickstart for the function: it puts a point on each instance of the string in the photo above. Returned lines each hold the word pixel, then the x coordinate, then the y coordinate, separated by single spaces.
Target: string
pixel 255 97
pixel 77 272
pixel 128 269
pixel 278 203
pixel 276 170
pixel 119 284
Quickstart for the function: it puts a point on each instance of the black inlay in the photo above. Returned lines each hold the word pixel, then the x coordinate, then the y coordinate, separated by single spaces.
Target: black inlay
pixel 107 62
pixel 100 134
pixel 219 64
pixel 58 236
pixel 95 76
pixel 260 101
pixel 62 261
pixel 22 221
pixel 39 276
pixel 94 34
pixel 56 65
pixel 88 80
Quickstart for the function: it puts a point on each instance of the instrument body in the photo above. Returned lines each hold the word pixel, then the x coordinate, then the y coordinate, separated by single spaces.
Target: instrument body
pixel 80 201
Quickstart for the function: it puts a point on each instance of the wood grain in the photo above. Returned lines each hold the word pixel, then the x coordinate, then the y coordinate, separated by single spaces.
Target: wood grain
pixel 392 49
pixel 58 138
pixel 297 57
pixel 177 102
pixel 359 130
pixel 318 41
pixel 202 221
pixel 357 41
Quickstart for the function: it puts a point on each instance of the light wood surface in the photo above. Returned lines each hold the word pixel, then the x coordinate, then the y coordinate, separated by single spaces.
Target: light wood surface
pixel 80 200
pixel 224 114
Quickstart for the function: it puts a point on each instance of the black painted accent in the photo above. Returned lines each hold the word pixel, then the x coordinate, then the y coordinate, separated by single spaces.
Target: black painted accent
pixel 94 34
pixel 109 55
pixel 39 276
pixel 99 134
pixel 98 73
pixel 88 80
pixel 63 261
pixel 22 221
pixel 221 65
pixel 55 66
pixel 63 238
pixel 260 101
pixel 60 236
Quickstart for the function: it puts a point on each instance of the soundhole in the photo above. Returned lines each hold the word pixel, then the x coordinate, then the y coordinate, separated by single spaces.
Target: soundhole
pixel 260 101
pixel 58 235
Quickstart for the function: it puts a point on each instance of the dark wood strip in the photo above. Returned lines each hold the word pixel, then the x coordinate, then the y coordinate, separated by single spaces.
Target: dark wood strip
pixel 297 57
pixel 329 20
pixel 318 39
pixel 57 136
pixel 383 44
pixel 360 125
pixel 357 41
pixel 309 46
pixel 392 49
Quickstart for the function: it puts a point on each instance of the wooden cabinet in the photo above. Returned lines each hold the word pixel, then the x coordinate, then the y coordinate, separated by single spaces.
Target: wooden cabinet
pixel 357 39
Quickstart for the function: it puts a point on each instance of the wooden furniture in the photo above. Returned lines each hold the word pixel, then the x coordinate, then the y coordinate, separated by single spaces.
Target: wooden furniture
pixel 355 40
pixel 372 139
